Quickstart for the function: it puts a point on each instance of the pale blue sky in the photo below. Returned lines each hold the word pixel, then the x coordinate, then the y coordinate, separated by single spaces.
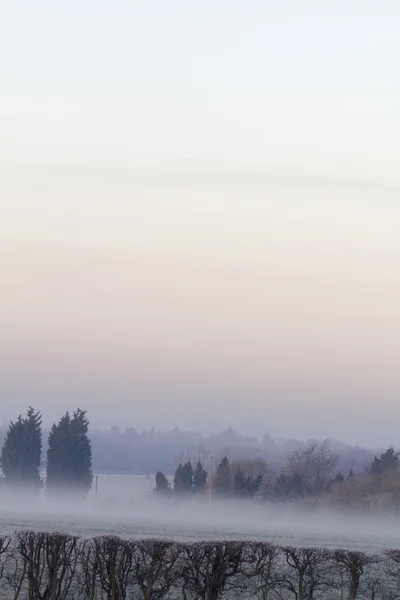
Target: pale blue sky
pixel 305 86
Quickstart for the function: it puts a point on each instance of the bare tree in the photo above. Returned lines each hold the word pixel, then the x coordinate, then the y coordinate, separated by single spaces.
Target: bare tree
pixel 5 542
pixel 376 583
pixel 353 564
pixel 391 570
pixel 307 572
pixel 393 563
pixel 61 554
pixel 49 564
pixel 192 454
pixel 358 492
pixel 155 568
pixel 111 560
pixel 261 569
pixel 208 568
pixel 13 569
pixel 312 467
pixel 89 564
pixel 54 566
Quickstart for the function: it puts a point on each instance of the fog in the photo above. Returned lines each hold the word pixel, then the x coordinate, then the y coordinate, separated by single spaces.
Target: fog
pixel 136 512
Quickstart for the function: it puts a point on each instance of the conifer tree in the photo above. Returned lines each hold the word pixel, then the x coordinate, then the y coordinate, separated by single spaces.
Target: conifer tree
pixel 223 478
pixel 162 484
pixel 187 477
pixel 33 430
pixel 239 483
pixel 246 486
pixel 178 479
pixel 21 452
pixel 69 455
pixel 199 478
pixel 388 461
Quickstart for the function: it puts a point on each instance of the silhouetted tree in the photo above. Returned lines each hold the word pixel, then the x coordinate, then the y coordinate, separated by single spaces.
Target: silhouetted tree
pixel 388 461
pixel 112 560
pixel 246 486
pixel 353 564
pixel 239 482
pixel 262 569
pixel 306 574
pixel 162 484
pixel 178 479
pixel 21 452
pixel 199 478
pixel 210 568
pixel 38 565
pixel 69 455
pixel 187 477
pixel 6 552
pixel 309 470
pixel 223 478
pixel 49 563
pixel 393 565
pixel 155 569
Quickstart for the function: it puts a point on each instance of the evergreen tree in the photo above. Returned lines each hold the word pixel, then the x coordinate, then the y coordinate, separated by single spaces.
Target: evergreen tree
pixel 162 484
pixel 33 429
pixel 199 478
pixel 223 478
pixel 58 466
pixel 178 479
pixel 187 477
pixel 389 461
pixel 246 485
pixel 13 453
pixel 254 485
pixel 21 452
pixel 239 483
pixel 69 455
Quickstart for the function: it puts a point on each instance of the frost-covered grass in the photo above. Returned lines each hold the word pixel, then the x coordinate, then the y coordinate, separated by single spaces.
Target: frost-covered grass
pixel 126 506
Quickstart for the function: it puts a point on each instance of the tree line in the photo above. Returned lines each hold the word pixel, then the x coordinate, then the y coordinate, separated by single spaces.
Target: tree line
pixel 309 475
pixel 56 566
pixel 241 478
pixel 69 454
pixel 144 453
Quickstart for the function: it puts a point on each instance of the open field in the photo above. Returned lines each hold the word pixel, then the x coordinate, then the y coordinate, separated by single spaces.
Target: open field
pixel 126 506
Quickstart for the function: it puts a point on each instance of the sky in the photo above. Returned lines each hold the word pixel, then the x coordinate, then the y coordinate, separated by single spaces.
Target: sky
pixel 199 214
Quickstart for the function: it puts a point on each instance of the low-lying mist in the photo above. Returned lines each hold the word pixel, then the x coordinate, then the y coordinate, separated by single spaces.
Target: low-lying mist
pixel 149 515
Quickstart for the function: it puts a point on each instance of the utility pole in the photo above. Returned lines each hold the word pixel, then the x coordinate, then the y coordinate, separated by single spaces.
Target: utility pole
pixel 210 480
